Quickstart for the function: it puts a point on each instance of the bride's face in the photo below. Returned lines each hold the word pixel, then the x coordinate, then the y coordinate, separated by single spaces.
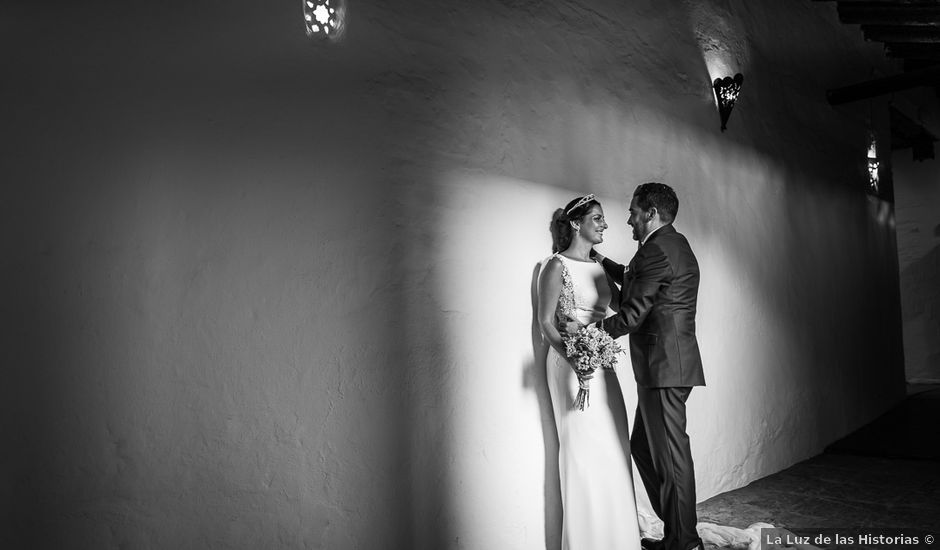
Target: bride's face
pixel 593 225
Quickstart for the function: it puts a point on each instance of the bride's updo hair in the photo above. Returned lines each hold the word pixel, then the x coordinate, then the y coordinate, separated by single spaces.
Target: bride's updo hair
pixel 561 229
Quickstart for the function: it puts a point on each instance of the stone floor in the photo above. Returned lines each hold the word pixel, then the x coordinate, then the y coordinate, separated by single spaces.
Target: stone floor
pixel 853 484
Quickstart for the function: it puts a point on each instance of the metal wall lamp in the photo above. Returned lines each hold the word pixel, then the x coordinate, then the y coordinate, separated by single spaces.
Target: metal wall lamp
pixel 325 19
pixel 726 92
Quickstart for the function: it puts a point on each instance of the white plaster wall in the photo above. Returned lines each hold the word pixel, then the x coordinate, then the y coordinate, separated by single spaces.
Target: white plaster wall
pixel 265 293
pixel 917 205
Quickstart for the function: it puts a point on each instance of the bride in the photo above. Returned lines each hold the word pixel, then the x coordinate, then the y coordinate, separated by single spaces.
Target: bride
pixel 598 504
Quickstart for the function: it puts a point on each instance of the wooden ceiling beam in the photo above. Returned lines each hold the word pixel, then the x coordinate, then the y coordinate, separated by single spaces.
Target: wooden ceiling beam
pixel 883 86
pixel 912 51
pixel 911 65
pixel 886 13
pixel 917 34
pixel 886 3
pixel 879 3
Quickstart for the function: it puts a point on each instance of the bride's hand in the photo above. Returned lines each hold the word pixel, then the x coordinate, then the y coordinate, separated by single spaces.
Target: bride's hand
pixel 570 328
pixel 582 376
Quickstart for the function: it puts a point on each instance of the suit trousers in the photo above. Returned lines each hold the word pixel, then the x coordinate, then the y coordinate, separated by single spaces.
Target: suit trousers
pixel 661 451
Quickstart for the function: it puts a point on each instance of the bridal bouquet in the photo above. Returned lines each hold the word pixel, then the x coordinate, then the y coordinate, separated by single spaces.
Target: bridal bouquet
pixel 588 350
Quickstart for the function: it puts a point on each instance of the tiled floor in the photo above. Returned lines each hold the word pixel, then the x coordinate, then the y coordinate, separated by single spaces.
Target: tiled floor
pixel 854 484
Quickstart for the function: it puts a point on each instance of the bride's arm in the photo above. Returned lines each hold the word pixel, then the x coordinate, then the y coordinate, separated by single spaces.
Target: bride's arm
pixel 549 291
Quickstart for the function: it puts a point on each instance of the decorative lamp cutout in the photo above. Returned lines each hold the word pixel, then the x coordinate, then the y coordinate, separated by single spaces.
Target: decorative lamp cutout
pixel 726 91
pixel 873 163
pixel 325 19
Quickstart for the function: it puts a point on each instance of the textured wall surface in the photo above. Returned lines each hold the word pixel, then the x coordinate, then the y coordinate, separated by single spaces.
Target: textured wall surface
pixel 267 293
pixel 917 205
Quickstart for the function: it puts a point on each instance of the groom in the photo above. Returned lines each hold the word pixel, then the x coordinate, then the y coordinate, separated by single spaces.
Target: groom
pixel 657 310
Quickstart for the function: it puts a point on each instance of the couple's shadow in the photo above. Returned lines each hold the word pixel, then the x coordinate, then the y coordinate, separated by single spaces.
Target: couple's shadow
pixel 535 378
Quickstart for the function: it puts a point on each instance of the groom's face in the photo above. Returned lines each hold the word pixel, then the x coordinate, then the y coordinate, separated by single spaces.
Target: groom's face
pixel 639 220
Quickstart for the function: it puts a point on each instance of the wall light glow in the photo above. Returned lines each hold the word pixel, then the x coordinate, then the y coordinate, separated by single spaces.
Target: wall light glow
pixel 720 40
pixel 716 61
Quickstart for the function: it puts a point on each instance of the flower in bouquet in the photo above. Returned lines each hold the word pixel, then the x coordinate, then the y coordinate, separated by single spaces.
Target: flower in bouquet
pixel 588 350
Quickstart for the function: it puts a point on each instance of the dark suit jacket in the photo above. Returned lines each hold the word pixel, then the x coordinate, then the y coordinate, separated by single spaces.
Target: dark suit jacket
pixel 657 308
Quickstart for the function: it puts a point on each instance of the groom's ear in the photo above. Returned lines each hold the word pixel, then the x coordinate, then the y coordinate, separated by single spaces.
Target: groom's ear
pixel 651 213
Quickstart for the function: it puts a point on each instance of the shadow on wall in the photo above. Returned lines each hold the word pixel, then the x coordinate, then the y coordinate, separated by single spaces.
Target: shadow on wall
pixel 921 300
pixel 194 369
pixel 534 378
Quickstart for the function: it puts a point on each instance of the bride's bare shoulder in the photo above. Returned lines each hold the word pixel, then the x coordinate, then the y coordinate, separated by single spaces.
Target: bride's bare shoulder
pixel 553 263
pixel 551 269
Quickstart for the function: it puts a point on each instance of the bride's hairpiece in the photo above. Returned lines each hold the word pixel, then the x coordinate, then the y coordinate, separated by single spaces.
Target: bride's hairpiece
pixel 584 200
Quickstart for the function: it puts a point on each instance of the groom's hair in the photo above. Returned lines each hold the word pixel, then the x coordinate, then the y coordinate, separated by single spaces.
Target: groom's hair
pixel 659 195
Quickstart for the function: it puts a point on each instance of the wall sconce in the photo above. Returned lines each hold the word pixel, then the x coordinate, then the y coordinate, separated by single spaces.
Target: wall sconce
pixel 726 91
pixel 325 19
pixel 873 163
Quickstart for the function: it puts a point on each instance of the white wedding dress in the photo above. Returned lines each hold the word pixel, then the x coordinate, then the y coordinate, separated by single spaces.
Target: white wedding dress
pixel 598 502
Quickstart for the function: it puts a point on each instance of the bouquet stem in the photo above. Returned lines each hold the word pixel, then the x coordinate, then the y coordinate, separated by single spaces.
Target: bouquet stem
pixel 583 399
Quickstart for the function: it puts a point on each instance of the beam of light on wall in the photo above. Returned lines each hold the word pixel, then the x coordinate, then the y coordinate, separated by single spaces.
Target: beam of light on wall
pixel 497 393
pixel 500 449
